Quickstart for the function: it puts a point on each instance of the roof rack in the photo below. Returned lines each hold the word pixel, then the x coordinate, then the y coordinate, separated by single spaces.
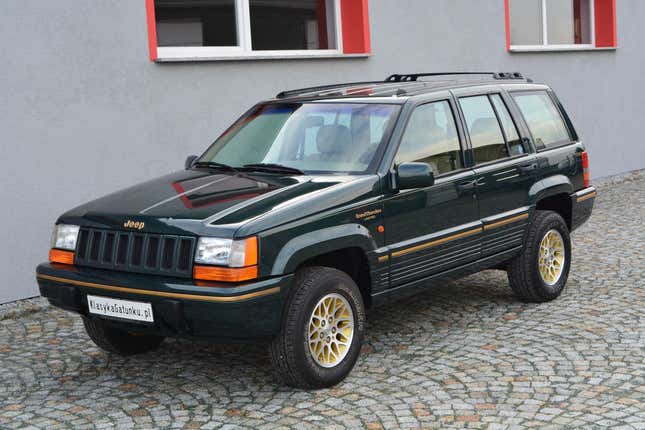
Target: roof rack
pixel 396 78
pixel 290 93
pixel 415 76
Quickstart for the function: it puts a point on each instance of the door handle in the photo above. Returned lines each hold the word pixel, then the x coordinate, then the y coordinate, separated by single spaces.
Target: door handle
pixel 527 168
pixel 466 185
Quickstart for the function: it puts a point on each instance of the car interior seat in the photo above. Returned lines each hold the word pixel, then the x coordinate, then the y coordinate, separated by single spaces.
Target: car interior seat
pixel 332 142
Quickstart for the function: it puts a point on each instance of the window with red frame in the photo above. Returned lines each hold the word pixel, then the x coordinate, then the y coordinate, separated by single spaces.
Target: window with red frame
pixel 560 24
pixel 220 29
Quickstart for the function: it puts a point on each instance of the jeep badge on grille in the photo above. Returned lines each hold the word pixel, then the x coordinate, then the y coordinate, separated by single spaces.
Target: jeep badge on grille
pixel 134 224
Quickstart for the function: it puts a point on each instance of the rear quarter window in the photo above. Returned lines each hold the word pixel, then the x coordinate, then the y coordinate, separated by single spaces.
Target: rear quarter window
pixel 542 118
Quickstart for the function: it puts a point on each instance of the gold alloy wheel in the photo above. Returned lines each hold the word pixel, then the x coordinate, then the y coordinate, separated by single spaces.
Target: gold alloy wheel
pixel 331 330
pixel 552 257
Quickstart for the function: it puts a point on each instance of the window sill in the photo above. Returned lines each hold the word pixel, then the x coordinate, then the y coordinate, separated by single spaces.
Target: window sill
pixel 559 48
pixel 177 56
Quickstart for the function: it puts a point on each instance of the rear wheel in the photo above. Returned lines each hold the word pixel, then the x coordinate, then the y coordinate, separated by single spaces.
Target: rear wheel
pixel 540 272
pixel 119 341
pixel 322 332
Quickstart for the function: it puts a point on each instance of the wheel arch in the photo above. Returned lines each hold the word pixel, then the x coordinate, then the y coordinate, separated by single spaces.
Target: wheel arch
pixel 554 194
pixel 344 247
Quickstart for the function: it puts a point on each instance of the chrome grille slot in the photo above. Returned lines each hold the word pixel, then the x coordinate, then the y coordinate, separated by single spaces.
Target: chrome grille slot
pixel 95 245
pixel 168 253
pixel 153 252
pixel 135 252
pixel 185 255
pixel 122 249
pixel 82 244
pixel 108 248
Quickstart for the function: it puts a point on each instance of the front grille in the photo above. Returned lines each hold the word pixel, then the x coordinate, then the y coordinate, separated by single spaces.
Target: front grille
pixel 135 252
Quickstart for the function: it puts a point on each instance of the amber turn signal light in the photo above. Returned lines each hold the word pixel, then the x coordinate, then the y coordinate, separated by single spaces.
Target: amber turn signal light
pixel 251 251
pixel 60 256
pixel 225 274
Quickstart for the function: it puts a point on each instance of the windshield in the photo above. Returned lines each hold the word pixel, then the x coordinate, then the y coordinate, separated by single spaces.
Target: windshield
pixel 311 137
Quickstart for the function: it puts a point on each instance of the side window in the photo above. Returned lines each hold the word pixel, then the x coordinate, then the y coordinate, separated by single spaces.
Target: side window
pixel 542 118
pixel 515 146
pixel 431 137
pixel 485 133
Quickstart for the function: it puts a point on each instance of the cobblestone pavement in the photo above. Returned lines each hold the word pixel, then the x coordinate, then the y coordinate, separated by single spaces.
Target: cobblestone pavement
pixel 466 354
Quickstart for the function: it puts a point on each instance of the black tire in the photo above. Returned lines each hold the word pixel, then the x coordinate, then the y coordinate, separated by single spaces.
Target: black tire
pixel 118 341
pixel 290 353
pixel 523 271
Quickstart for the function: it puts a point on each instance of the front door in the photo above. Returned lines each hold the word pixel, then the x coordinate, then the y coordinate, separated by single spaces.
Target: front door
pixel 504 171
pixel 433 229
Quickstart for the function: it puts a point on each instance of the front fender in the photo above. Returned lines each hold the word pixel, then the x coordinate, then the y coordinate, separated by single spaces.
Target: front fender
pixel 556 184
pixel 312 244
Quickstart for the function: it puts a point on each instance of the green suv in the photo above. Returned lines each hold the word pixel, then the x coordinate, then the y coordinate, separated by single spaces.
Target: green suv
pixel 322 203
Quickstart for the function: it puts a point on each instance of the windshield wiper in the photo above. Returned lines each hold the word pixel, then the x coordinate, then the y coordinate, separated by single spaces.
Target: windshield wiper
pixel 215 165
pixel 273 167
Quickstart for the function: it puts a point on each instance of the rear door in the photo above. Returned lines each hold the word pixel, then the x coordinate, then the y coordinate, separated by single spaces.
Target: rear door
pixel 504 167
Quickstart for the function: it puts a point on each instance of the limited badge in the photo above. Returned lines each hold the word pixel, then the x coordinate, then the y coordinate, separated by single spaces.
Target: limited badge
pixel 368 215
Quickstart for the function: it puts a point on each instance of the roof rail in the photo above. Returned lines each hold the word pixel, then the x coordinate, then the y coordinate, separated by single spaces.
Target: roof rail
pixel 415 76
pixel 397 78
pixel 289 93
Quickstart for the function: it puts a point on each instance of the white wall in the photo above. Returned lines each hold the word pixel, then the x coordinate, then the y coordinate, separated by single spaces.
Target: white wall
pixel 83 112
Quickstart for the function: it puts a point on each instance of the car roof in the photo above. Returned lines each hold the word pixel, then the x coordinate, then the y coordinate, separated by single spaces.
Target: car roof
pixel 401 88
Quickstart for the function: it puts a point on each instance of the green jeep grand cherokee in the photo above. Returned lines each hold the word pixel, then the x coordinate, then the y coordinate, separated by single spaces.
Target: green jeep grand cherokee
pixel 323 202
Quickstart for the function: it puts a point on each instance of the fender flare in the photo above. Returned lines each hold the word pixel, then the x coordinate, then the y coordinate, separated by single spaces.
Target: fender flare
pixel 550 186
pixel 322 241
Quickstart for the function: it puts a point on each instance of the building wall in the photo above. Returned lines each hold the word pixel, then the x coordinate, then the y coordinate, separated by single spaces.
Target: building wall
pixel 83 112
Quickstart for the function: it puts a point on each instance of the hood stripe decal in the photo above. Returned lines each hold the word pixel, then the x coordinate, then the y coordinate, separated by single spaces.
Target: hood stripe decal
pixel 185 193
pixel 246 203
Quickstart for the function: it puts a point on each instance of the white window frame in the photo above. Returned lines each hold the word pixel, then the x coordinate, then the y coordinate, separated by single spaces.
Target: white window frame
pixel 560 47
pixel 244 49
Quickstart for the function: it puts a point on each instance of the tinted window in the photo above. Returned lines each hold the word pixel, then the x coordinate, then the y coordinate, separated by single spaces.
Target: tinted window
pixel 302 24
pixel 543 119
pixel 431 137
pixel 204 23
pixel 485 134
pixel 510 132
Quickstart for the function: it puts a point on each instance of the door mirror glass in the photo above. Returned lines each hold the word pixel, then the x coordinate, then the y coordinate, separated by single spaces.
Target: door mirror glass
pixel 414 175
pixel 190 160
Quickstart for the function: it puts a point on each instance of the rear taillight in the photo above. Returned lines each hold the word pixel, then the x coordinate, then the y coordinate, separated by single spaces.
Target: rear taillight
pixel 585 169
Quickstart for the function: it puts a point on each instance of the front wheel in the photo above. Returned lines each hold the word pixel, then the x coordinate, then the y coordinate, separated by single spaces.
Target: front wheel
pixel 322 332
pixel 540 272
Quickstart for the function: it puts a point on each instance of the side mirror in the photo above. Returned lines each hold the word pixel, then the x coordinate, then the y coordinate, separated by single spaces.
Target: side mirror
pixel 190 160
pixel 414 175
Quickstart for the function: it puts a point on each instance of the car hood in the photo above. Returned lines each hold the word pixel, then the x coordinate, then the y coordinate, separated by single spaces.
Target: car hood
pixel 198 201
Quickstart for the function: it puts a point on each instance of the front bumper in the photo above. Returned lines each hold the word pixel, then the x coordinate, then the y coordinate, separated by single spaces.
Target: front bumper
pixel 581 206
pixel 180 307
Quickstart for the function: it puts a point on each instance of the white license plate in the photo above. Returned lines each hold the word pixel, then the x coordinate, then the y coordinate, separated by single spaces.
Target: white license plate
pixel 127 309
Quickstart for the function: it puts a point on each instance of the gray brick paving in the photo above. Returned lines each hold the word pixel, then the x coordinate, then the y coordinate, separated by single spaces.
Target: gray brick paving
pixel 466 354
